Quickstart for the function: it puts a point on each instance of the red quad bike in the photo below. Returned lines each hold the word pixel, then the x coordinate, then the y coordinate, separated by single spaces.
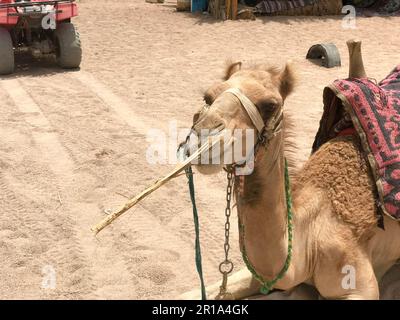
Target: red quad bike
pixel 41 28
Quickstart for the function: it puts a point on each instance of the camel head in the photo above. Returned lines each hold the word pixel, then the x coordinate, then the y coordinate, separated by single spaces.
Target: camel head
pixel 266 87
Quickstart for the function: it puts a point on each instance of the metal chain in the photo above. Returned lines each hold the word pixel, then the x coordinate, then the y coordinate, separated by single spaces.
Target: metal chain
pixel 226 266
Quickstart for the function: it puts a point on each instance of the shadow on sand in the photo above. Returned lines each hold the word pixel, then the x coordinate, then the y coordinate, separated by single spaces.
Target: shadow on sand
pixel 27 66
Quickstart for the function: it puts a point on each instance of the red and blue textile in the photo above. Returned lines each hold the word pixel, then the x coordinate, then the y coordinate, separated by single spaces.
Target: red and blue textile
pixel 375 113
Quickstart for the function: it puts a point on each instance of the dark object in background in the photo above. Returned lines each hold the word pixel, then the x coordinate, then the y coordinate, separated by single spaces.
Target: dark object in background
pixel 328 53
pixel 251 3
pixel 363 3
pixel 377 7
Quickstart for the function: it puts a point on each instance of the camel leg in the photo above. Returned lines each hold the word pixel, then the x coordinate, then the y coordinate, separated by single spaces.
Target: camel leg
pixel 351 279
pixel 241 285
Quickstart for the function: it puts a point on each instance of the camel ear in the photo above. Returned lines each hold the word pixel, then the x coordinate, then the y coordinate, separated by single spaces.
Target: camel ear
pixel 231 68
pixel 287 80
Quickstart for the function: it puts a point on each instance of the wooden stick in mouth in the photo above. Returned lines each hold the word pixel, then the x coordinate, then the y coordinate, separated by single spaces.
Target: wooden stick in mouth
pixel 173 174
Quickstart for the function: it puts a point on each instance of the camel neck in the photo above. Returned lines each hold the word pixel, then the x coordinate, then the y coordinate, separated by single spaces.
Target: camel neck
pixel 262 210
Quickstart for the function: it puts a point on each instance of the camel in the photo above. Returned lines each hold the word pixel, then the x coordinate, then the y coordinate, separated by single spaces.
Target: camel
pixel 333 197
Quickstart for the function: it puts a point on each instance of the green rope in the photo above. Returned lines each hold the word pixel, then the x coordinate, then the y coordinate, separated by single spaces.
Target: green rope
pixel 267 286
pixel 199 267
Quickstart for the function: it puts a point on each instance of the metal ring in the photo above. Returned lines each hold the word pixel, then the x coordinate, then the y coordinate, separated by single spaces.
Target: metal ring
pixel 226 263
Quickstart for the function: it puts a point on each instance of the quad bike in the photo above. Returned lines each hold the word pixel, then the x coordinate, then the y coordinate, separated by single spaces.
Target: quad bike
pixel 41 28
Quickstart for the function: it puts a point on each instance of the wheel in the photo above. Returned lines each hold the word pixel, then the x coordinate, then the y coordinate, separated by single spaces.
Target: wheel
pixel 6 52
pixel 68 46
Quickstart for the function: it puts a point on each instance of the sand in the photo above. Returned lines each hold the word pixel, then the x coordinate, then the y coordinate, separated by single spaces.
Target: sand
pixel 73 144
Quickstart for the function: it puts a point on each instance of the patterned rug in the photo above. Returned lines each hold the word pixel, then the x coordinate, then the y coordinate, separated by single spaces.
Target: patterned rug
pixel 373 109
pixel 272 6
pixel 299 7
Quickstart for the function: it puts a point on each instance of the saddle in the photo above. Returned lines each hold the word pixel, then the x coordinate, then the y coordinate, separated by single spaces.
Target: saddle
pixel 372 111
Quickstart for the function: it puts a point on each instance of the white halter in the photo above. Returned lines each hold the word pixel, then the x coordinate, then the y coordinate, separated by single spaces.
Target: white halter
pixel 273 126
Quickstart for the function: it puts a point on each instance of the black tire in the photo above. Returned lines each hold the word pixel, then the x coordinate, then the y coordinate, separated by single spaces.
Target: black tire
pixel 68 44
pixel 6 52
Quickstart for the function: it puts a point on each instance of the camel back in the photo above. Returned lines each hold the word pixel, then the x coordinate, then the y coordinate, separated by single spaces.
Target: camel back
pixel 372 111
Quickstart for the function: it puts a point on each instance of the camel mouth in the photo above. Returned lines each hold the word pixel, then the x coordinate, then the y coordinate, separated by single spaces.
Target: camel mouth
pixel 194 142
pixel 224 148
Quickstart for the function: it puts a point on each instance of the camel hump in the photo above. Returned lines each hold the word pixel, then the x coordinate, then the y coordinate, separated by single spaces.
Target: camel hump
pixel 356 64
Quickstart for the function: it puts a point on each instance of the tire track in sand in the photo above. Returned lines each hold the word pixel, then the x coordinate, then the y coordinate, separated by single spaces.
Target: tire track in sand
pixel 19 229
pixel 141 260
pixel 212 225
pixel 119 106
pixel 66 250
pixel 43 132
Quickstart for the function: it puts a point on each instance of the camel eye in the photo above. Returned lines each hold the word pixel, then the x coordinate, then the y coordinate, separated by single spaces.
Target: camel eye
pixel 267 106
pixel 267 109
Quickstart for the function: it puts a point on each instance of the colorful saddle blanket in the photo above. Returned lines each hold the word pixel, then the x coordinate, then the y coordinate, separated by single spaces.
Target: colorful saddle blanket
pixel 374 112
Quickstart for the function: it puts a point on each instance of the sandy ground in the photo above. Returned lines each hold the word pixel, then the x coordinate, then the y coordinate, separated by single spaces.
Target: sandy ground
pixel 74 143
